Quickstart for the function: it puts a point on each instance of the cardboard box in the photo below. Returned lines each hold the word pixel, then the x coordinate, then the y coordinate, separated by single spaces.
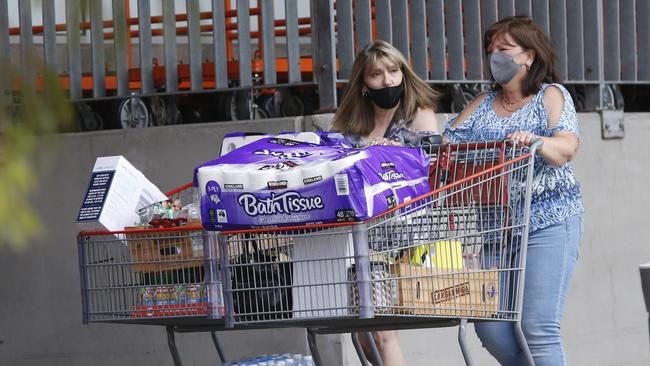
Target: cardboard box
pixel 156 251
pixel 115 192
pixel 434 291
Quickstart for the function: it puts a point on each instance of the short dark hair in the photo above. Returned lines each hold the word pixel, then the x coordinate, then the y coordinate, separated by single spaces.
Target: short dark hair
pixel 529 36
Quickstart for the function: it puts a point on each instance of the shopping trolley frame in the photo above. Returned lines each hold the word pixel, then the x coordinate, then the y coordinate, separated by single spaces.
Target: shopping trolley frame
pixel 365 319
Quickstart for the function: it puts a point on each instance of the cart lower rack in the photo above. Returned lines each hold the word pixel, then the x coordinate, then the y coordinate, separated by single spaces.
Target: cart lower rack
pixel 454 255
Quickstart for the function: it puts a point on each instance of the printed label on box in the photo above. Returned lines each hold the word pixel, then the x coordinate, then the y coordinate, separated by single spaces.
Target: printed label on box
pixel 91 208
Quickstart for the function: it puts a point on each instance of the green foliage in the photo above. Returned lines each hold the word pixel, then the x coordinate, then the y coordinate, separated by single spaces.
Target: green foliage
pixel 21 146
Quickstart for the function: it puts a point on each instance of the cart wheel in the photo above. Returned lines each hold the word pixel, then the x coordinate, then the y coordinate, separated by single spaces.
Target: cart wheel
pixel 164 111
pixel 172 113
pixel 578 96
pixel 292 105
pixel 237 106
pixel 585 97
pixel 309 100
pixel 133 113
pixel 270 106
pixel 158 111
pixel 241 105
pixel 89 120
pixel 259 112
pixel 612 97
pixel 461 95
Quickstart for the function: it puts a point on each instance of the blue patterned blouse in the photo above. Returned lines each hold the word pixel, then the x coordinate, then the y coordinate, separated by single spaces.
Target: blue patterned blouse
pixel 556 192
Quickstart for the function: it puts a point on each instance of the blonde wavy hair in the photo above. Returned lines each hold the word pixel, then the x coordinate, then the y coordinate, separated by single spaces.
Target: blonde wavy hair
pixel 356 114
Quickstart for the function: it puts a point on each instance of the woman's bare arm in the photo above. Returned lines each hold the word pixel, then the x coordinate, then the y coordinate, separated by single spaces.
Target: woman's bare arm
pixel 561 147
pixel 425 120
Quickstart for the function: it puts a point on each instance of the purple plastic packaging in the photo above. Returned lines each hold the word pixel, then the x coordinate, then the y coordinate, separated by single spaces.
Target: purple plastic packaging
pixel 276 182
pixel 234 140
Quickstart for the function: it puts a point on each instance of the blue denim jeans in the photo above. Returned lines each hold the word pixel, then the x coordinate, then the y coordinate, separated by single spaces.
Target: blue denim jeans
pixel 551 259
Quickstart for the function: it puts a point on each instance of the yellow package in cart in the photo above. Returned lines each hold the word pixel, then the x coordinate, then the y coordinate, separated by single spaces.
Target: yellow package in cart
pixel 442 254
pixel 447 254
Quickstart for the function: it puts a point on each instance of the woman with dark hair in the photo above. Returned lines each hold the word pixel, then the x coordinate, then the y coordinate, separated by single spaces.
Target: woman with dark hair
pixel 525 104
pixel 385 103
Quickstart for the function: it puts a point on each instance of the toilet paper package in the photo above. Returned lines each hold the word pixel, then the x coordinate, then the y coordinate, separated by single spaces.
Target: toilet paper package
pixel 276 182
pixel 235 140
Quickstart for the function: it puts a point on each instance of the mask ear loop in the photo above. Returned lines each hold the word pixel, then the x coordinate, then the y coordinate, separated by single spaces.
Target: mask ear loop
pixel 528 64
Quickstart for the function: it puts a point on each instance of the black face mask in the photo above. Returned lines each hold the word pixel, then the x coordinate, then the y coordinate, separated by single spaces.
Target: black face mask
pixel 387 97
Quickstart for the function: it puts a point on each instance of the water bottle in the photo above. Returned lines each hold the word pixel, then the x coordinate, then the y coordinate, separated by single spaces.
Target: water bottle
pixel 308 361
pixel 215 300
pixel 194 218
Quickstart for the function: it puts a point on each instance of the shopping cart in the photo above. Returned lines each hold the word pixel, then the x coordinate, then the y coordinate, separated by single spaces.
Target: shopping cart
pixel 454 255
pixel 157 276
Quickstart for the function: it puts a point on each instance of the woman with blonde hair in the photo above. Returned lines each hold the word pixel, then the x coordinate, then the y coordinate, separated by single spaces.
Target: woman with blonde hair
pixel 385 103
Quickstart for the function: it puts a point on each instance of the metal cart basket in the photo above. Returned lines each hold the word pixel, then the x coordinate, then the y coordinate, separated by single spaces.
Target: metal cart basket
pixel 454 255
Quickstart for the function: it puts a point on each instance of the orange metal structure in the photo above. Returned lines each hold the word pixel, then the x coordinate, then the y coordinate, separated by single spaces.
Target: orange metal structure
pixel 257 63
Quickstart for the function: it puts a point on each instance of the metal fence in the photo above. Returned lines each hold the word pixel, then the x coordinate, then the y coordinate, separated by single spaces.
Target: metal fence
pixel 226 26
pixel 232 44
pixel 597 41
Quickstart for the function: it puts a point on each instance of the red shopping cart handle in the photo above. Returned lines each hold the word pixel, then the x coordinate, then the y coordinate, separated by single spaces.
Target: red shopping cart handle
pixel 179 189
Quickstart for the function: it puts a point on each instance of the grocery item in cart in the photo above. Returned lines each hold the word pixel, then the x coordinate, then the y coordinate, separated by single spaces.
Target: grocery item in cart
pixel 235 140
pixel 382 288
pixel 320 273
pixel 431 291
pixel 261 286
pixel 278 182
pixel 155 251
pixel 446 254
pixel 116 191
pixel 174 300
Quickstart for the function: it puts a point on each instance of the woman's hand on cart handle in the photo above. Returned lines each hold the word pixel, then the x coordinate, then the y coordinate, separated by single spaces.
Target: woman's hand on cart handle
pixel 525 138
pixel 536 143
pixel 382 141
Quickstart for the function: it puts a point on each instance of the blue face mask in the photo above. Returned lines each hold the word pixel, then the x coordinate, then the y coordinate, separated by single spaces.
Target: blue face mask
pixel 503 67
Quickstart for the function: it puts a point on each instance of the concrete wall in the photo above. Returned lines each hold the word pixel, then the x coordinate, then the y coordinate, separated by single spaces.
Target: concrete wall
pixel 40 306
pixel 40 301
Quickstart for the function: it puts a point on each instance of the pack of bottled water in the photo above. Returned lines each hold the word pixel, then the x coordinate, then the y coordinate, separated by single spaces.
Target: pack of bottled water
pixel 273 360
